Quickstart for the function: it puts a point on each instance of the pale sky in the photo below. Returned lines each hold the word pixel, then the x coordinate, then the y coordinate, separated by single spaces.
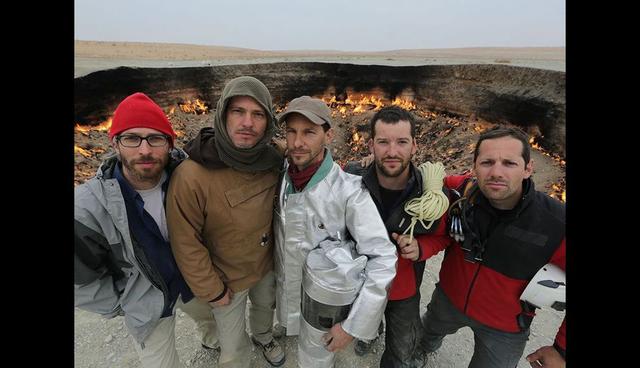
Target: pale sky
pixel 373 25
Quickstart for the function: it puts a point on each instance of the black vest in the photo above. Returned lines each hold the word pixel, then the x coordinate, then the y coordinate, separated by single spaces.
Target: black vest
pixel 397 220
pixel 519 244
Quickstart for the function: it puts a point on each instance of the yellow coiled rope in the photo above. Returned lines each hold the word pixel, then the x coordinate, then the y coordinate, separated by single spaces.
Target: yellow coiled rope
pixel 433 203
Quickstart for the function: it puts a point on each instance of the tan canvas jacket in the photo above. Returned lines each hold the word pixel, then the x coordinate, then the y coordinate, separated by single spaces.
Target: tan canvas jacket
pixel 220 226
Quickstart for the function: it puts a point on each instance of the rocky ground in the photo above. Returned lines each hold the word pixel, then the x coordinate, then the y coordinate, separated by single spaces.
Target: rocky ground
pixel 101 343
pixel 441 137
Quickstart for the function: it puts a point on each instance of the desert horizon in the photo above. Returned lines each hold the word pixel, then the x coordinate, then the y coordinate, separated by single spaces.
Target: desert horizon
pixel 91 56
pixel 181 51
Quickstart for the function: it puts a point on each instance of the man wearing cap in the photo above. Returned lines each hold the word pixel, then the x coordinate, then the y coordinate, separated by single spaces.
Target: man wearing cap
pixel 122 261
pixel 219 212
pixel 317 204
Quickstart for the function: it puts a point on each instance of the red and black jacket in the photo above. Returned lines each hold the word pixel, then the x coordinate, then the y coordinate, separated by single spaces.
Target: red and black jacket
pixel 515 248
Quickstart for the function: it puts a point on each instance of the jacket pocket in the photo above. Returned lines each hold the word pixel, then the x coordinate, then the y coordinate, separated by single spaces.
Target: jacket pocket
pixel 246 192
pixel 251 210
pixel 318 231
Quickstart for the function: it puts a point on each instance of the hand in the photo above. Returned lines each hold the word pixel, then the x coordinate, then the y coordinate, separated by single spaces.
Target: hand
pixel 280 144
pixel 226 299
pixel 336 339
pixel 547 357
pixel 408 248
pixel 365 162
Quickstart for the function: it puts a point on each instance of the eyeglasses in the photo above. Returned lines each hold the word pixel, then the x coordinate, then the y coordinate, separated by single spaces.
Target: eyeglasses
pixel 132 140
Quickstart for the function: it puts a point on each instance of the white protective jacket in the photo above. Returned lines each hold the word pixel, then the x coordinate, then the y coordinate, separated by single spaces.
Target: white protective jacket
pixel 333 204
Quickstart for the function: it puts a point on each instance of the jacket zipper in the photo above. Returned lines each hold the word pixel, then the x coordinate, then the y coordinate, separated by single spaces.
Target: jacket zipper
pixel 145 268
pixel 473 281
pixel 151 274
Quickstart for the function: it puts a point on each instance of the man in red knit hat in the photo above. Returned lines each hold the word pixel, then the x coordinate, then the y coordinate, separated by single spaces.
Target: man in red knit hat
pixel 123 261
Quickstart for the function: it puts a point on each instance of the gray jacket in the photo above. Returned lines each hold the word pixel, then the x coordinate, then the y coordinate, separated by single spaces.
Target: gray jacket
pixel 111 275
pixel 332 205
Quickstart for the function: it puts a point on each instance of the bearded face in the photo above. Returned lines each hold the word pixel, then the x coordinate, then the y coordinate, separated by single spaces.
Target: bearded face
pixel 142 165
pixel 392 147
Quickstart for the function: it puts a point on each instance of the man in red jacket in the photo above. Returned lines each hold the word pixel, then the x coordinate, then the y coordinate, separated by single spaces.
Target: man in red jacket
pixel 392 182
pixel 505 231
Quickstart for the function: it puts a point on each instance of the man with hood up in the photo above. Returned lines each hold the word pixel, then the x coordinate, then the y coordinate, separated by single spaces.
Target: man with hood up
pixel 219 212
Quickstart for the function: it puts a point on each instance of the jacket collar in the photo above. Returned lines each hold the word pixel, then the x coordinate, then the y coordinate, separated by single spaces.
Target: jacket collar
pixel 528 191
pixel 323 171
pixel 411 190
pixel 128 192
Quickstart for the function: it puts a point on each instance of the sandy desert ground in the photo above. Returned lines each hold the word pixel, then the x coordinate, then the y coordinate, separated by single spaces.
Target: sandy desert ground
pixel 101 343
pixel 92 55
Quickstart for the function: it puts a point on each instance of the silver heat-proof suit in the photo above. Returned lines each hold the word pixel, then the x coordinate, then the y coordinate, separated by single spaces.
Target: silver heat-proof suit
pixel 336 206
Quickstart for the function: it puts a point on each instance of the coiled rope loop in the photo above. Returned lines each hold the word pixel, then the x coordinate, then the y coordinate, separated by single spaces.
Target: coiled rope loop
pixel 433 203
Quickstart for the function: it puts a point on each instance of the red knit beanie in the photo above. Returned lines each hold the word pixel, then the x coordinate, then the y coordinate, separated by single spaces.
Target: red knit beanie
pixel 139 111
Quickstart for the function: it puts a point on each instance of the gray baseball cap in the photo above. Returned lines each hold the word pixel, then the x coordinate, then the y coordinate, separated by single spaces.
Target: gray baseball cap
pixel 312 108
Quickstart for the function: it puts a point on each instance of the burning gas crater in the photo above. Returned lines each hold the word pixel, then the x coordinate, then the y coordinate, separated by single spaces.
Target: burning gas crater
pixel 441 136
pixel 196 107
